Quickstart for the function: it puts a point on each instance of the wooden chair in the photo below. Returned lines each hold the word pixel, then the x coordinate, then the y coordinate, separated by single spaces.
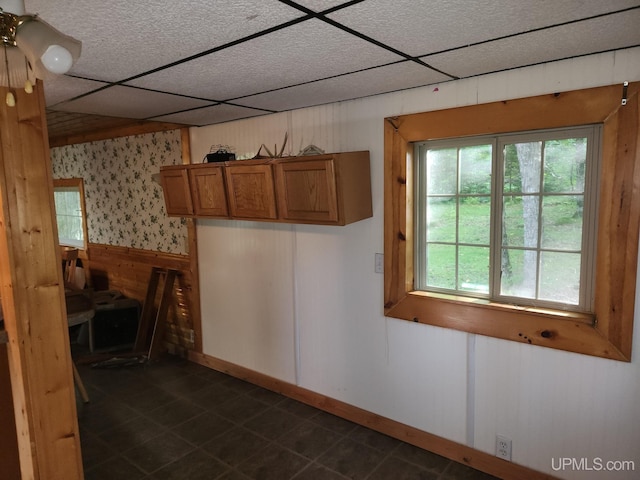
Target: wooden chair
pixel 70 260
pixel 80 307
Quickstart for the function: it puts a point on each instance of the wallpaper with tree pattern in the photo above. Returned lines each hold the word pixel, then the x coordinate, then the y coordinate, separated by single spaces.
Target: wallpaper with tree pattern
pixel 125 207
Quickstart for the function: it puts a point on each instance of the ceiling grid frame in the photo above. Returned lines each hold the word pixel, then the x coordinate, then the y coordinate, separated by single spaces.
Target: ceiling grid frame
pixel 255 57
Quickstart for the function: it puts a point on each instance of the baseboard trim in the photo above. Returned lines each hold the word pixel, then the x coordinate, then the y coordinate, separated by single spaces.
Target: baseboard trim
pixel 419 438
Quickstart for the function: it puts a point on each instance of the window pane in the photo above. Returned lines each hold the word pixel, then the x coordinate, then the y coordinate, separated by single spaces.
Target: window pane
pixel 475 170
pixel 69 228
pixel 475 220
pixel 442 171
pixel 562 222
pixel 512 179
pixel 68 202
pixel 74 204
pixel 522 164
pixel 441 219
pixel 473 266
pixel 560 277
pixel 441 270
pixel 564 165
pixel 69 215
pixel 60 200
pixel 519 272
pixel 475 246
pixel 520 221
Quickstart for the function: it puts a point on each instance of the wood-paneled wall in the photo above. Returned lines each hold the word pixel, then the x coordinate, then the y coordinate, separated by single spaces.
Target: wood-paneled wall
pixel 128 270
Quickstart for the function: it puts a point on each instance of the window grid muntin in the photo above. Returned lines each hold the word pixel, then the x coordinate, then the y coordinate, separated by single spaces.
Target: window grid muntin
pixel 593 135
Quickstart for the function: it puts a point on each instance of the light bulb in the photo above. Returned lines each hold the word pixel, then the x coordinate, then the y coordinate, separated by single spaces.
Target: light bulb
pixel 28 86
pixel 57 59
pixel 10 100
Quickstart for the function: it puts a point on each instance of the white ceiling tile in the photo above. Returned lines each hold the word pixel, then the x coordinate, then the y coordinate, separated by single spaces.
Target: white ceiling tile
pixel 61 87
pixel 271 55
pixel 129 102
pixel 420 28
pixel 210 115
pixel 301 53
pixel 320 5
pixel 575 39
pixel 390 78
pixel 122 38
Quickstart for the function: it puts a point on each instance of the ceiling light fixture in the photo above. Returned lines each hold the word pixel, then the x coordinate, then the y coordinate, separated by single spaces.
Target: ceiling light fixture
pixel 32 48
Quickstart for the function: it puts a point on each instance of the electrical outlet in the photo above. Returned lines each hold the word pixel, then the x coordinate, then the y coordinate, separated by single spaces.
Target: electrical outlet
pixel 379 263
pixel 503 447
pixel 192 336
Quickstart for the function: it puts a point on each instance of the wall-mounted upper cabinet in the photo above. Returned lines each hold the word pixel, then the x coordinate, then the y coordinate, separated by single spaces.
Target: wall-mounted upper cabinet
pixel 175 186
pixel 332 189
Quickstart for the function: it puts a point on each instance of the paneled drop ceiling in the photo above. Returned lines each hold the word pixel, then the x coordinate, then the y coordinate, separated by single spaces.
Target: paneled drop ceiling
pixel 201 62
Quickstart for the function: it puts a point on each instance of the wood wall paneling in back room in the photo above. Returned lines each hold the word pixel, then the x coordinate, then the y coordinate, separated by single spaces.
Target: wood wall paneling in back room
pixel 128 229
pixel 128 270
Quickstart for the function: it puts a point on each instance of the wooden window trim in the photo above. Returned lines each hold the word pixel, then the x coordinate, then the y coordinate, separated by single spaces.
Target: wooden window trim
pixel 607 333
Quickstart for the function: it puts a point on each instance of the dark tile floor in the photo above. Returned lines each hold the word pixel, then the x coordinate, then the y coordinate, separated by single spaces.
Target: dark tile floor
pixel 174 419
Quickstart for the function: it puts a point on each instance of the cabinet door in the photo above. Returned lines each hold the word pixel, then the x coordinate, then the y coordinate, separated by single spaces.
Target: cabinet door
pixel 208 191
pixel 175 187
pixel 307 190
pixel 250 191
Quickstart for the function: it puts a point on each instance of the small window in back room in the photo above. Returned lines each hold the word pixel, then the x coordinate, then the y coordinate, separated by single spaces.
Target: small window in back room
pixel 70 212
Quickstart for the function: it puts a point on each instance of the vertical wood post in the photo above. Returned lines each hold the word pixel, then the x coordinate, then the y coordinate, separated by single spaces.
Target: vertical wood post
pixel 32 294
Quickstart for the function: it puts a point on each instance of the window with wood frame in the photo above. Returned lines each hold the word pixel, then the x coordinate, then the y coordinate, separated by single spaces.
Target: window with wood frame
pixel 605 328
pixel 509 217
pixel 68 194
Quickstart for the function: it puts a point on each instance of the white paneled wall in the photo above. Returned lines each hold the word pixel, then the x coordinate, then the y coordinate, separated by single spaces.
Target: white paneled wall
pixel 302 303
pixel 247 295
pixel 556 404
